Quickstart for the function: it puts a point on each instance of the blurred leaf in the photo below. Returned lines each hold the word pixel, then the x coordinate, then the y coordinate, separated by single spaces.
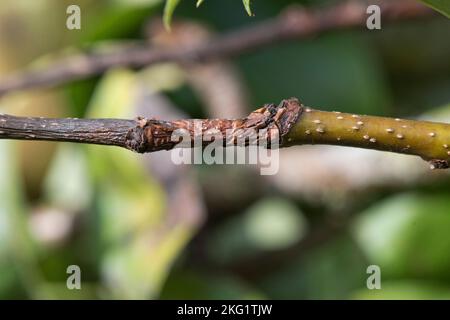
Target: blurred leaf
pixel 171 5
pixel 117 22
pixel 164 77
pixel 328 271
pixel 139 269
pixel 9 206
pixel 136 3
pixel 439 114
pixel 16 244
pixel 342 66
pixel 168 12
pixel 130 199
pixel 405 289
pixel 183 284
pixel 138 244
pixel 247 7
pixel 59 291
pixel 67 184
pixel 199 3
pixel 270 224
pixel 443 6
pixel 274 223
pixel 407 236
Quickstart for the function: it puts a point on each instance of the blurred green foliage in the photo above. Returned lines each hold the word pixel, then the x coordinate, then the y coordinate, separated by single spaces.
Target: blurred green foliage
pixel 439 5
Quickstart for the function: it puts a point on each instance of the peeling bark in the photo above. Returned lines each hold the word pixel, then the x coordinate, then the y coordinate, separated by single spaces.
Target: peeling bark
pixel 153 135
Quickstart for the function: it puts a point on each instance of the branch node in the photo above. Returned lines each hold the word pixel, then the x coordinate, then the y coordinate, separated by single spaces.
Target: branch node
pixel 285 119
pixel 135 139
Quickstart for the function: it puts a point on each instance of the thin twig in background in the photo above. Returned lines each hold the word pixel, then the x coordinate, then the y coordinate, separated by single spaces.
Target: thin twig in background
pixel 217 83
pixel 295 23
pixel 290 123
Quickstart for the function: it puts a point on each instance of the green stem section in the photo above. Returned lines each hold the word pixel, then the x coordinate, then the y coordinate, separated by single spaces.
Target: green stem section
pixel 429 140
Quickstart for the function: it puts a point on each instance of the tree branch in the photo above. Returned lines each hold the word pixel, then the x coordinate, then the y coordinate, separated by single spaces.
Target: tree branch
pixel 428 140
pixel 295 23
pixel 287 124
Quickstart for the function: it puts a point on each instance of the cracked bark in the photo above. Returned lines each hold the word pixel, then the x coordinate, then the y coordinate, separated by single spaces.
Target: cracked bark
pixel 290 123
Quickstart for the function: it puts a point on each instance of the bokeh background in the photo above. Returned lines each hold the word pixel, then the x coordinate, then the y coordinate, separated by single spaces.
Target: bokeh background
pixel 140 227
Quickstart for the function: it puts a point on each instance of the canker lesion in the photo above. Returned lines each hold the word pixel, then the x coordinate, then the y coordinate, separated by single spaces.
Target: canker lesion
pixel 151 135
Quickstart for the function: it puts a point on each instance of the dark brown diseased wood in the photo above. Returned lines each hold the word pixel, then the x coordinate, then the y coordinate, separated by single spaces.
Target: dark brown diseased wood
pixel 153 135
